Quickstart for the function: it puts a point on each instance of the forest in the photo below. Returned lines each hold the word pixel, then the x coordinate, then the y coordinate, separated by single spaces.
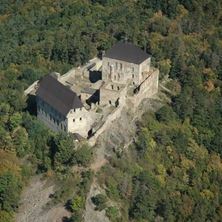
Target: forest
pixel 173 171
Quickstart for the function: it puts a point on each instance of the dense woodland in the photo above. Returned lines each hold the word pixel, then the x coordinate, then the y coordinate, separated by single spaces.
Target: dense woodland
pixel 173 171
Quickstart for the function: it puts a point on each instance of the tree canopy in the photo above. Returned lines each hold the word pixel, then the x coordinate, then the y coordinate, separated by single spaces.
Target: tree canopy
pixel 177 150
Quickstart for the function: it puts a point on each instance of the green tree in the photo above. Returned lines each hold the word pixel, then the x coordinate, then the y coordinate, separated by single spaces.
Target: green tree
pixel 10 188
pixel 100 201
pixel 6 216
pixel 63 149
pixel 112 213
pixel 83 155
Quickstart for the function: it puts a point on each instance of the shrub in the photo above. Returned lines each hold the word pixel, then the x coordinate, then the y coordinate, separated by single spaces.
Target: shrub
pixel 100 201
pixel 112 213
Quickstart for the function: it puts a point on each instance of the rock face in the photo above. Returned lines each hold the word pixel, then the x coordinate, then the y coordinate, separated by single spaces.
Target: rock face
pixel 118 134
pixel 33 204
pixel 90 214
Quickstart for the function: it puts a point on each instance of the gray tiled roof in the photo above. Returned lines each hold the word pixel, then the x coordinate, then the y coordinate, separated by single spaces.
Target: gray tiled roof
pixel 60 97
pixel 127 52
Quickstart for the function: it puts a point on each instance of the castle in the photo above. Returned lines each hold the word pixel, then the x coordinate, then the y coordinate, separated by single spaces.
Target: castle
pixel 81 100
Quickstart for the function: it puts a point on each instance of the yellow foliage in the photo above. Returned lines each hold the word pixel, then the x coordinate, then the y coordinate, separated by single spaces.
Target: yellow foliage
pixel 175 194
pixel 207 194
pixel 215 163
pixel 52 10
pixel 175 28
pixel 209 73
pixel 9 162
pixel 187 206
pixel 152 144
pixel 161 169
pixel 158 14
pixel 49 173
pixel 155 40
pixel 181 12
pixel 4 17
pixel 6 216
pixel 165 66
pixel 185 178
pixel 197 151
pixel 169 149
pixel 186 163
pixel 161 179
pixel 209 85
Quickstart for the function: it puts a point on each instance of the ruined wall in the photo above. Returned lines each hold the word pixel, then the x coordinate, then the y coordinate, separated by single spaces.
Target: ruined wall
pixel 145 65
pixel 111 117
pixel 108 96
pixel 79 121
pixel 66 76
pixel 110 93
pixel 32 88
pixel 147 89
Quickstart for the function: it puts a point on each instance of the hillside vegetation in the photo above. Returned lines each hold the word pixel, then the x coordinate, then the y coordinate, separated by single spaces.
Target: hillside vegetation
pixel 173 171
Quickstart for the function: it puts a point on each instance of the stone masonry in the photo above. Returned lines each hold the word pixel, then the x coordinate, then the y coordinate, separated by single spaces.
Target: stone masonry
pixel 86 98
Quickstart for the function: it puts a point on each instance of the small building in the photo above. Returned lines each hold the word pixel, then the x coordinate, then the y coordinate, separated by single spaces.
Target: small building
pixel 123 62
pixel 126 64
pixel 60 108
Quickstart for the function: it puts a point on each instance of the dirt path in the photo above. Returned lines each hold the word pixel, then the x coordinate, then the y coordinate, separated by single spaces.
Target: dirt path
pixel 91 215
pixel 33 204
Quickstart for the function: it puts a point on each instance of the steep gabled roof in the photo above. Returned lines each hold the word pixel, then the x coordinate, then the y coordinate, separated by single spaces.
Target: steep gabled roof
pixel 127 52
pixel 57 95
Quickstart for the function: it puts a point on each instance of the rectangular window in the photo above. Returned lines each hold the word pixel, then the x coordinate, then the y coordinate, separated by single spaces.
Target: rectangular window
pixel 121 66
pixel 132 69
pixel 80 118
pixel 73 120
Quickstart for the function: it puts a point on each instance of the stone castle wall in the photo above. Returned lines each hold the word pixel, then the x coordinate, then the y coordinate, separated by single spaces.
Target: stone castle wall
pixel 54 120
pixel 119 71
pixel 147 89
pixel 79 121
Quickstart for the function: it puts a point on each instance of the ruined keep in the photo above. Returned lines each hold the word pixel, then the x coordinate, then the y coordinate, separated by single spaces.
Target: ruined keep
pixel 83 99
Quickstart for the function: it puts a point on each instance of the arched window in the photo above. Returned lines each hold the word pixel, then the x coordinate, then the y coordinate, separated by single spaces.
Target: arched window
pixel 73 120
pixel 80 118
pixel 121 66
